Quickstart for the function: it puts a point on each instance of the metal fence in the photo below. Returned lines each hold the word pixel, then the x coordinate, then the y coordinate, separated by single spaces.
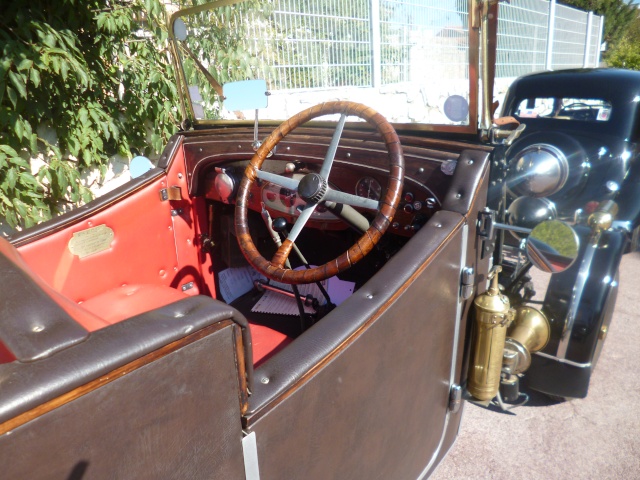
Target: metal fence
pixel 330 43
pixel 336 43
pixel 536 35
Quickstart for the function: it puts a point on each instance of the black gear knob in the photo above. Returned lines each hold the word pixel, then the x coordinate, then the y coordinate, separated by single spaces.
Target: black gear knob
pixel 279 224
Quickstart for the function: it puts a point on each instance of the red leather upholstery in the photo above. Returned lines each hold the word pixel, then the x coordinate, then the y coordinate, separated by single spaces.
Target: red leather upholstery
pixel 129 300
pixel 266 343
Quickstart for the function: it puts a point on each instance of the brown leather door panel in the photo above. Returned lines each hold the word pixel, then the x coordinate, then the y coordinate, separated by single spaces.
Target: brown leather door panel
pixel 377 406
pixel 174 413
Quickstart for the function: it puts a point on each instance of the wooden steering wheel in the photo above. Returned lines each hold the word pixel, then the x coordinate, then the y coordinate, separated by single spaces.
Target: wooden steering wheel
pixel 313 188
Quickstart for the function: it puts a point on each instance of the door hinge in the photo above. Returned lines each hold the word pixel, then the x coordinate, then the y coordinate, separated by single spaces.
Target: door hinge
pixel 172 193
pixel 467 282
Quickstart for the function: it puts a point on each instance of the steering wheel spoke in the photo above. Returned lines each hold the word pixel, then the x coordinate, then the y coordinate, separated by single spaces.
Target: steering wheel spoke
pixel 286 182
pixel 349 199
pixel 301 221
pixel 325 170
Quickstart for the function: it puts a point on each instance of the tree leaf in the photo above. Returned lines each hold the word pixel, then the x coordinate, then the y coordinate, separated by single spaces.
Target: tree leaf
pixel 34 75
pixel 18 82
pixel 12 178
pixel 25 64
pixel 13 96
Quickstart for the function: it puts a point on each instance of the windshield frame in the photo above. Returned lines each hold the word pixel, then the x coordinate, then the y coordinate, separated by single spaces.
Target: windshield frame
pixel 473 30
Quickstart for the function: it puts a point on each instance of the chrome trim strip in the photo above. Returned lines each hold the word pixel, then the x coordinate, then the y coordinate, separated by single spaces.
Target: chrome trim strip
pixel 563 360
pixel 576 297
pixel 250 454
pixel 454 359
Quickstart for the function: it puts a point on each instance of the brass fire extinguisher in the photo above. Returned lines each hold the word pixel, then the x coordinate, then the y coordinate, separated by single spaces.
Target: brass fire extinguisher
pixel 493 316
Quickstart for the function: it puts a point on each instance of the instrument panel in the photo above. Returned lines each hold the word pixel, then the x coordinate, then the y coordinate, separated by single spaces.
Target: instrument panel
pixel 416 206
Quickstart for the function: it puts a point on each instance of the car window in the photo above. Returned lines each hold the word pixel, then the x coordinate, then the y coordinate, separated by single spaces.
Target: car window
pixel 578 109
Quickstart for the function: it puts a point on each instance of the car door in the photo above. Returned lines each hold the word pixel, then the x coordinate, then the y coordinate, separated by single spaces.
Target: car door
pixel 366 392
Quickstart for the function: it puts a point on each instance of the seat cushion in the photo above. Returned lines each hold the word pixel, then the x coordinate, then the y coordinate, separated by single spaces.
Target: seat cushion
pixel 127 301
pixel 266 342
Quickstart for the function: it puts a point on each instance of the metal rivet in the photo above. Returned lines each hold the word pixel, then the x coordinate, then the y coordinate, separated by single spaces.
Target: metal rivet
pixel 421 170
pixel 458 195
pixel 438 225
pixel 161 273
pixel 38 328
pixel 265 380
pixel 180 176
pixel 200 150
pixel 348 155
pixel 470 162
pixel 369 296
pixel 239 146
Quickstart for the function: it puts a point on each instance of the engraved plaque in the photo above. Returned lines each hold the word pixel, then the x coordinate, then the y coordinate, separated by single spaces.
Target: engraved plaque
pixel 90 241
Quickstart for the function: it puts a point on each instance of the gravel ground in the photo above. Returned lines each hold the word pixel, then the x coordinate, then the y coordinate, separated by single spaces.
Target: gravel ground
pixel 594 438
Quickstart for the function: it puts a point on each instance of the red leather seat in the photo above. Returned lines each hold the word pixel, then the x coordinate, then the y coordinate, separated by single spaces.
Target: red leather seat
pixel 127 301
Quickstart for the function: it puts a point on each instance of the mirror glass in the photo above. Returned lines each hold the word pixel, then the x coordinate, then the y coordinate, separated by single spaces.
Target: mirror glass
pixel 245 95
pixel 552 246
pixel 139 166
pixel 180 30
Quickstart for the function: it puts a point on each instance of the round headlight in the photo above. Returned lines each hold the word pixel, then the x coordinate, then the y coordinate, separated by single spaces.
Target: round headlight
pixel 539 170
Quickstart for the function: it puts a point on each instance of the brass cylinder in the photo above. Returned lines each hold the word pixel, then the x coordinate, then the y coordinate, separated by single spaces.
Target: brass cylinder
pixel 493 315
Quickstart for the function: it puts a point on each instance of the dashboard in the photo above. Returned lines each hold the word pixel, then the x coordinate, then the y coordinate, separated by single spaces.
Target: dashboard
pixel 418 203
pixel 215 167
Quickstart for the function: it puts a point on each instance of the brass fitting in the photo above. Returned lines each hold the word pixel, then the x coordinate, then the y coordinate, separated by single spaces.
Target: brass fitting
pixel 529 333
pixel 493 315
pixel 603 217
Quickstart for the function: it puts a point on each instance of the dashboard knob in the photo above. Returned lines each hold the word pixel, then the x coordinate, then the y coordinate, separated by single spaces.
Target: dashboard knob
pixel 408 208
pixel 408 197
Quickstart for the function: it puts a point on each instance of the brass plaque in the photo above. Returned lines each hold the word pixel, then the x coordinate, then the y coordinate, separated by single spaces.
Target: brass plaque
pixel 90 241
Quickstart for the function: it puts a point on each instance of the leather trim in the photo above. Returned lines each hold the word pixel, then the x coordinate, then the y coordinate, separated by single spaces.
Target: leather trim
pixel 471 168
pixel 26 386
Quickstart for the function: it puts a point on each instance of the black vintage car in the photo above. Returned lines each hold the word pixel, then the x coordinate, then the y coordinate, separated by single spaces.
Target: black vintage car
pixel 309 290
pixel 577 161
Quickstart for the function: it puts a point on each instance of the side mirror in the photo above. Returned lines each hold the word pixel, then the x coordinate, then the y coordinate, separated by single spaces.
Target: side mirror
pixel 139 166
pixel 552 246
pixel 245 95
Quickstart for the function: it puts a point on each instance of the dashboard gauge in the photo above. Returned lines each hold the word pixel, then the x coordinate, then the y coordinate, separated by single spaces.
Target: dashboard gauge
pixel 369 187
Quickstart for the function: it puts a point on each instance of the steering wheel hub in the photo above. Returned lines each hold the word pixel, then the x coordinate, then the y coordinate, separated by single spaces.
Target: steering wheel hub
pixel 312 188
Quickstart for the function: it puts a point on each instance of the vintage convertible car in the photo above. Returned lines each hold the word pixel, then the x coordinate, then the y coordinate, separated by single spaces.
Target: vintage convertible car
pixel 307 299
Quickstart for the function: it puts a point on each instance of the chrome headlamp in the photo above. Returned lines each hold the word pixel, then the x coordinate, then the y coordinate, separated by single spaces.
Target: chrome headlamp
pixel 539 170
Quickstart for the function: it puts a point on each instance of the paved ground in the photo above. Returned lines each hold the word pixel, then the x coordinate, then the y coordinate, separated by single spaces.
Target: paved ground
pixel 594 438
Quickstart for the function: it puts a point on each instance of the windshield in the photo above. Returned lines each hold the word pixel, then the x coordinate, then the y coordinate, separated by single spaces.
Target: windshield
pixel 407 59
pixel 576 109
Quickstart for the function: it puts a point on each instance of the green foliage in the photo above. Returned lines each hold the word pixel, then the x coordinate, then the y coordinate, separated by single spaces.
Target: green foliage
pixel 627 53
pixel 618 16
pixel 95 72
